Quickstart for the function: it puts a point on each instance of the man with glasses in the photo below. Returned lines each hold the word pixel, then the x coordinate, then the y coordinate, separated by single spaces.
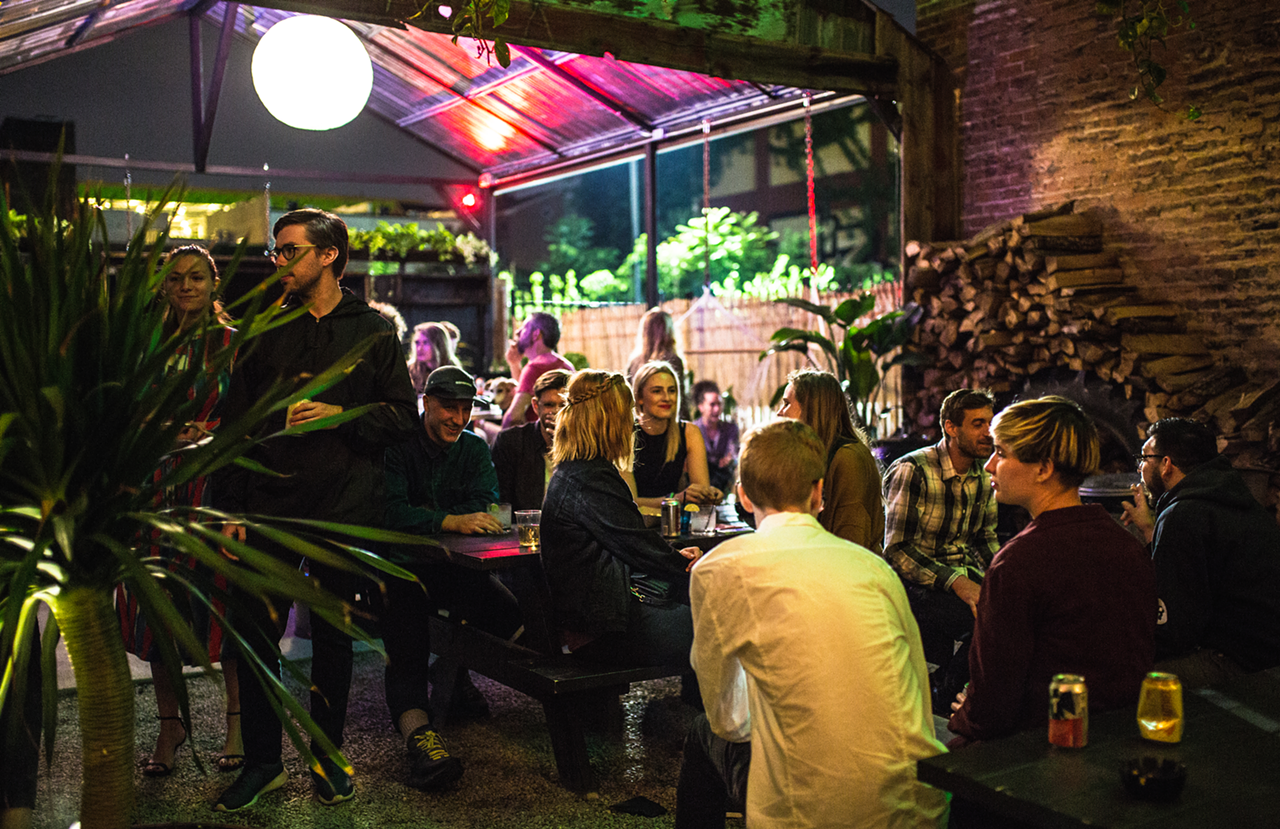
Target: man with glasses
pixel 1217 557
pixel 334 473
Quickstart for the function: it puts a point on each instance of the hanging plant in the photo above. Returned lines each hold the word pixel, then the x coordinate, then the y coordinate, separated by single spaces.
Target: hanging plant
pixel 1142 24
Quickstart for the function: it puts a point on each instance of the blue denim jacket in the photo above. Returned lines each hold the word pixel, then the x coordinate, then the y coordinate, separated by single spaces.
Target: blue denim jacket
pixel 594 542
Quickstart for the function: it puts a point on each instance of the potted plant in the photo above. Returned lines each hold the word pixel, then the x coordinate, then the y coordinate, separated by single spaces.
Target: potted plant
pixel 90 402
pixel 858 356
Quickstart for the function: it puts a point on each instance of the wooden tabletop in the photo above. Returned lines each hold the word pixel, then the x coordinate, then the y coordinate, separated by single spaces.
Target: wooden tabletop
pixel 1230 745
pixel 481 552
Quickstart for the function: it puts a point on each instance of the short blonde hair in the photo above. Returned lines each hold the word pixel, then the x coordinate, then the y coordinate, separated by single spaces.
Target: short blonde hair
pixel 596 421
pixel 1054 429
pixel 643 375
pixel 780 463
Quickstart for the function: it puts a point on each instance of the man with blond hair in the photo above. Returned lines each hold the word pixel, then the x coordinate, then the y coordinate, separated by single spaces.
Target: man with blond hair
pixel 812 730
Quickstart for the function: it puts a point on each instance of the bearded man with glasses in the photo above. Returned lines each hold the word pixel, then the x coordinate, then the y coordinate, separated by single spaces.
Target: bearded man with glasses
pixel 334 473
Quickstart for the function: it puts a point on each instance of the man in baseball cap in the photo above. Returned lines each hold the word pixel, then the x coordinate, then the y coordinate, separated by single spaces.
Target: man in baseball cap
pixel 442 480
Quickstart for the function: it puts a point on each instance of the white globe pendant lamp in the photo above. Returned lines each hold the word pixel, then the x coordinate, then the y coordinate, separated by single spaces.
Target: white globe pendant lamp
pixel 312 72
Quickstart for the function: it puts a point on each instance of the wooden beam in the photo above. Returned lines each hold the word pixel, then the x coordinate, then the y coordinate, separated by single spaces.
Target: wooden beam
pixel 646 41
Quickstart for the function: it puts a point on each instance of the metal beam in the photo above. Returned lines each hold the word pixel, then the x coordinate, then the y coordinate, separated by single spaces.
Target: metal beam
pixel 651 224
pixel 228 170
pixel 204 111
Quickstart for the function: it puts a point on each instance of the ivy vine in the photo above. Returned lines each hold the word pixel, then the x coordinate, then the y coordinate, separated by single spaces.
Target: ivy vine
pixel 1142 24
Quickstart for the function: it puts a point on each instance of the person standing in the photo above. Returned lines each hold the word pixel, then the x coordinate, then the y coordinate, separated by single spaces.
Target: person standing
pixel 940 533
pixel 334 473
pixel 826 727
pixel 1217 557
pixel 188 290
pixel 535 341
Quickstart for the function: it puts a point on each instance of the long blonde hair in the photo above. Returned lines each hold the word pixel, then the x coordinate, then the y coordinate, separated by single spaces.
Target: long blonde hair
pixel 596 420
pixel 643 375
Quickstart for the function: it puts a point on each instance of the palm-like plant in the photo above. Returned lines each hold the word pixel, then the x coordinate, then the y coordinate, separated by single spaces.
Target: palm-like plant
pixel 857 356
pixel 91 401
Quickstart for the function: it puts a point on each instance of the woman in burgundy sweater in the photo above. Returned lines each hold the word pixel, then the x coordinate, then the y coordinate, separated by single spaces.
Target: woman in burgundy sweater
pixel 1072 593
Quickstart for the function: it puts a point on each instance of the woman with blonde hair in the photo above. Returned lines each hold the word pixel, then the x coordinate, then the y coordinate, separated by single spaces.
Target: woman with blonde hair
pixel 667 447
pixel 852 504
pixel 613 580
pixel 433 346
pixel 1072 593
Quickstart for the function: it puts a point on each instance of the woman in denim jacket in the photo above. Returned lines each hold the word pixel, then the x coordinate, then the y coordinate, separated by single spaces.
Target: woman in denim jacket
pixel 619 589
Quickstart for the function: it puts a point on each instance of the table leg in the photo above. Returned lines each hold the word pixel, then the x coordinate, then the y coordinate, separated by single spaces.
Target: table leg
pixel 569 744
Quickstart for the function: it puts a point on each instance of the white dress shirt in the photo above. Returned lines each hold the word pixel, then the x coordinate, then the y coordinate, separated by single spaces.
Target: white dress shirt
pixel 804 644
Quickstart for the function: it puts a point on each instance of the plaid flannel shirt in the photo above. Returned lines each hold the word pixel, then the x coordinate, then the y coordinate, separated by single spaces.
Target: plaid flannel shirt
pixel 939 524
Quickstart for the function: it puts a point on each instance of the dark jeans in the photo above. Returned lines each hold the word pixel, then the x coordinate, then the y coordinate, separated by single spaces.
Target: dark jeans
pixel 261 623
pixel 944 619
pixel 477 598
pixel 713 777
pixel 20 725
pixel 655 635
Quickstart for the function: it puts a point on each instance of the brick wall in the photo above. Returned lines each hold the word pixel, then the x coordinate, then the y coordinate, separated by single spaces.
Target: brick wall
pixel 1194 207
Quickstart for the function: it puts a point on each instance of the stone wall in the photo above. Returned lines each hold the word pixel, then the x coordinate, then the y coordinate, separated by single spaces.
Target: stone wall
pixel 1193 207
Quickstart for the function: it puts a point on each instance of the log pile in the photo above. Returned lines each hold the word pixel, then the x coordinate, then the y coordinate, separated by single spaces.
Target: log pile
pixel 1043 291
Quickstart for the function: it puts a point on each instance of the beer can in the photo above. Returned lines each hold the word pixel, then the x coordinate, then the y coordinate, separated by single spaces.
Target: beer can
pixel 1160 708
pixel 671 514
pixel 1068 711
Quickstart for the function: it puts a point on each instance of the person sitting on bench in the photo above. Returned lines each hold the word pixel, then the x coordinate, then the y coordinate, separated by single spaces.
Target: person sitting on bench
pixel 442 480
pixel 810 665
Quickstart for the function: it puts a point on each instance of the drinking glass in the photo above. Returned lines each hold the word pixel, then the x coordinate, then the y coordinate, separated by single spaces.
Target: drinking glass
pixel 527 526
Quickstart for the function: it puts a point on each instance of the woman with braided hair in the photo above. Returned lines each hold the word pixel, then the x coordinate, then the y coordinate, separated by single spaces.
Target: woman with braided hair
pixel 618 588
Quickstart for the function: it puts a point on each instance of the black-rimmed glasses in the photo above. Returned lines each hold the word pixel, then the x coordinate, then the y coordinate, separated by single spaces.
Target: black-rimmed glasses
pixel 1139 457
pixel 285 252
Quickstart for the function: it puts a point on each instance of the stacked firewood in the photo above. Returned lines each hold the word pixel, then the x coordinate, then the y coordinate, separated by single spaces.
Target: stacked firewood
pixel 1042 291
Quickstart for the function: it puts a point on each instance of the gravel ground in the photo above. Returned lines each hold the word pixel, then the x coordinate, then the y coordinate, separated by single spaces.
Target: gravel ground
pixel 510 778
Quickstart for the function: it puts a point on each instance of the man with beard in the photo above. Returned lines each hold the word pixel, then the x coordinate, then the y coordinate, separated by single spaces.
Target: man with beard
pixel 520 455
pixel 333 473
pixel 536 340
pixel 442 480
pixel 1216 552
pixel 940 533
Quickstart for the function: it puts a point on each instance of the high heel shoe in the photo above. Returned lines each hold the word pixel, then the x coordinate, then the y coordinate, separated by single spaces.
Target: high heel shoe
pixel 230 762
pixel 155 768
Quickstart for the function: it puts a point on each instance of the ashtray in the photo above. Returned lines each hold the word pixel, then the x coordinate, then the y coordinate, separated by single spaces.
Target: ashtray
pixel 1153 778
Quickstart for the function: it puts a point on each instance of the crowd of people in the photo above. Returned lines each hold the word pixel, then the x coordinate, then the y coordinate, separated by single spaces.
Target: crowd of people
pixel 820 645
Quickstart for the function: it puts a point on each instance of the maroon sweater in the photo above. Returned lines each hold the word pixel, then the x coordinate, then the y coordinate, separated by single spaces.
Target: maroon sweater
pixel 1072 593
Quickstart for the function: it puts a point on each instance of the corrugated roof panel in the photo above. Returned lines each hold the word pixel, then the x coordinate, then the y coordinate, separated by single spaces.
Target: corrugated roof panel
pixel 477 136
pixel 556 109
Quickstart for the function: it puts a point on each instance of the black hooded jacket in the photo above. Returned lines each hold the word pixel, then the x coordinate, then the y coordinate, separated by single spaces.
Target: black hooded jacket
pixel 334 474
pixel 1217 559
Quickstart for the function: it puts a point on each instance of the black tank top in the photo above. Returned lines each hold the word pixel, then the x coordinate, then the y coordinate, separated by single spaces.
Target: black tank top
pixel 654 478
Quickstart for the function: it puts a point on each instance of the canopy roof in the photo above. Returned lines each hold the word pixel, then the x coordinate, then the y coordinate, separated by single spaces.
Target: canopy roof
pixel 546 107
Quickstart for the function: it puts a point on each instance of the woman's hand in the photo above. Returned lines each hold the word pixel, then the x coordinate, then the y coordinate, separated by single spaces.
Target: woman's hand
pixel 693 554
pixel 701 494
pixel 960 698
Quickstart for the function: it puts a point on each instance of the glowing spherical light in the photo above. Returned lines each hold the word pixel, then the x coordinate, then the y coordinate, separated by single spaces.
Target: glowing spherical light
pixel 469 200
pixel 312 73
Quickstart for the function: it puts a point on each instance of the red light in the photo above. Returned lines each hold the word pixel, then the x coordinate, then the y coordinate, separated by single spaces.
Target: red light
pixel 469 200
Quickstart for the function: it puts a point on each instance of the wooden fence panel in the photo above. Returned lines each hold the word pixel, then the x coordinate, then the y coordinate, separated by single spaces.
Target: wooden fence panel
pixel 721 340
